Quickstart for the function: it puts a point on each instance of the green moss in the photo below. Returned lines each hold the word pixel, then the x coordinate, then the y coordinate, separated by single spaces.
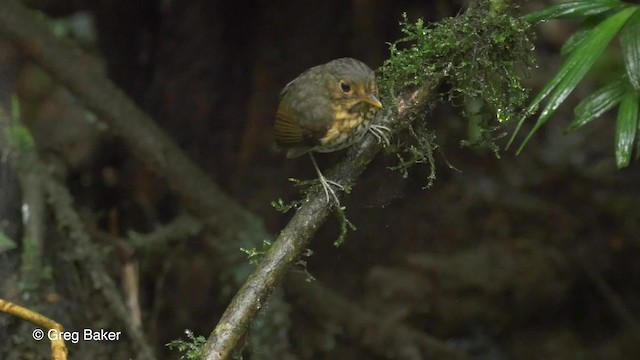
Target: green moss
pixel 418 152
pixel 255 255
pixel 283 207
pixel 480 57
pixel 192 348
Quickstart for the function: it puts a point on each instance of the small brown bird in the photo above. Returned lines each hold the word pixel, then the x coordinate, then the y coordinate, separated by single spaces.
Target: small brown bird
pixel 327 108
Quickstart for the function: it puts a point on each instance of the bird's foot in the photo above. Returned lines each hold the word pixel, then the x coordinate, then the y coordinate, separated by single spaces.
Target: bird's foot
pixel 326 183
pixel 327 187
pixel 380 133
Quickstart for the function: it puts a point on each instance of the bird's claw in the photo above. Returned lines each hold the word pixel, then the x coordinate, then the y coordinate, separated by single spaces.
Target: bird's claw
pixel 326 186
pixel 326 183
pixel 380 133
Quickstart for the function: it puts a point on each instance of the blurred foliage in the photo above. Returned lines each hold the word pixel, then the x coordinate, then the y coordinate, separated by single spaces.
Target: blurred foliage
pixel 6 243
pixel 18 137
pixel 602 21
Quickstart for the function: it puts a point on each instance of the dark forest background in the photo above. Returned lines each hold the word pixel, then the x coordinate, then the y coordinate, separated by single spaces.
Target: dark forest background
pixel 527 257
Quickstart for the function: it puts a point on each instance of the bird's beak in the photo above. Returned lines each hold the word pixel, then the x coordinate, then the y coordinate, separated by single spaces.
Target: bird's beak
pixel 372 100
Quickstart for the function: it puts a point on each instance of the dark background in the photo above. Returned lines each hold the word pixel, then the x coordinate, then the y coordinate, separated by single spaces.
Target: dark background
pixel 527 257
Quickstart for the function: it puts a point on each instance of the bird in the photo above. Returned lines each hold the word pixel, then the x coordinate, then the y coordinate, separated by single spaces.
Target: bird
pixel 327 108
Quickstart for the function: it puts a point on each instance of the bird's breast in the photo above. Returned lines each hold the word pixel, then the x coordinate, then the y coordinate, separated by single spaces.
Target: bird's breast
pixel 347 127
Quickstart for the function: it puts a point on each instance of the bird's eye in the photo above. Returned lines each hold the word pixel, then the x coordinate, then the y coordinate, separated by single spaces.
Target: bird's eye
pixel 345 87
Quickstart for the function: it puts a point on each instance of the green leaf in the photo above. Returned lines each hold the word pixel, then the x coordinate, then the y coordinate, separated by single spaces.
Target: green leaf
pixel 598 103
pixel 626 128
pixel 573 10
pixel 576 39
pixel 573 71
pixel 630 41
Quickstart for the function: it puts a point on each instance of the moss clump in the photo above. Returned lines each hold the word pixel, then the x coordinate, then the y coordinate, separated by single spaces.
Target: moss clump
pixel 192 348
pixel 480 56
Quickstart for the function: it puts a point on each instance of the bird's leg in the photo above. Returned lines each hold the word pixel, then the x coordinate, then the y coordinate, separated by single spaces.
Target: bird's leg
pixel 379 132
pixel 326 183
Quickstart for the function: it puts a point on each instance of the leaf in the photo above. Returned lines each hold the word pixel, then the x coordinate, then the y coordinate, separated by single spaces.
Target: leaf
pixel 630 42
pixel 573 71
pixel 576 39
pixel 626 128
pixel 598 103
pixel 572 10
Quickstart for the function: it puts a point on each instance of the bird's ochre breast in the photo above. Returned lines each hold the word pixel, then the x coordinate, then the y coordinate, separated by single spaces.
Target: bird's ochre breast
pixel 347 128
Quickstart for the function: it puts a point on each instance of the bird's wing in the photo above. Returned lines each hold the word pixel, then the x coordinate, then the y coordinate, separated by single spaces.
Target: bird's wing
pixel 287 130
